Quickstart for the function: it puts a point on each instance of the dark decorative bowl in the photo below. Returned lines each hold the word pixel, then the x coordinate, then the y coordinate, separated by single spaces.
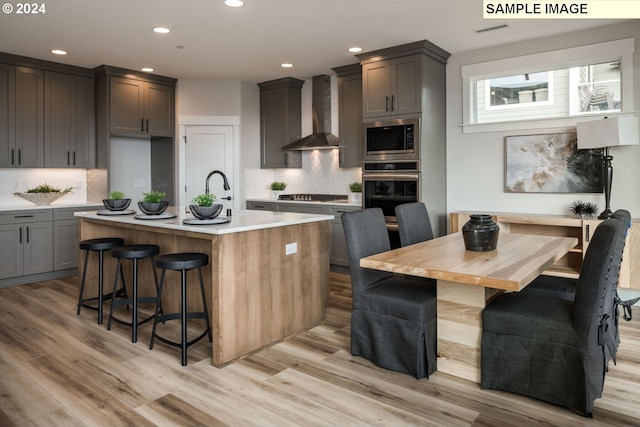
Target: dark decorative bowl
pixel 116 205
pixel 205 212
pixel 153 208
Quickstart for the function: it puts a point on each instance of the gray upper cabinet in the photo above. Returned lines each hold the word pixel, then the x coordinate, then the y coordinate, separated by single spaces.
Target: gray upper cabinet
pixel 28 151
pixel 280 122
pixel 69 118
pixel 141 108
pixel 7 115
pixel 350 115
pixel 392 87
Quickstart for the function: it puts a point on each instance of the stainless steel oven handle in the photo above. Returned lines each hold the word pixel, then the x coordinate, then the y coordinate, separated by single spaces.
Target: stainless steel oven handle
pixel 390 176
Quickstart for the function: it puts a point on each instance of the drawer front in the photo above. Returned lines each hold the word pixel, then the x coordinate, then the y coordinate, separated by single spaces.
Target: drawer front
pixel 62 214
pixel 19 217
pixel 310 209
pixel 338 211
pixel 262 206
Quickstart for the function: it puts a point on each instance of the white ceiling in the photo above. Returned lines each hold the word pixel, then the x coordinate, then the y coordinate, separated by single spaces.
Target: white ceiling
pixel 251 42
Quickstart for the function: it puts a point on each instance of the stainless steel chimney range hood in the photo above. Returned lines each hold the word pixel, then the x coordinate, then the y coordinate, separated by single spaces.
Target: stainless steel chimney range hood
pixel 321 138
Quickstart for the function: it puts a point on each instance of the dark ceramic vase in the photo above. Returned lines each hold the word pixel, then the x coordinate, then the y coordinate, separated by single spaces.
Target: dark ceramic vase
pixel 153 208
pixel 205 212
pixel 480 233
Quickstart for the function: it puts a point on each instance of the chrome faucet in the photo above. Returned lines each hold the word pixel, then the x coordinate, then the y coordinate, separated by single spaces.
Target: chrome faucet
pixel 224 178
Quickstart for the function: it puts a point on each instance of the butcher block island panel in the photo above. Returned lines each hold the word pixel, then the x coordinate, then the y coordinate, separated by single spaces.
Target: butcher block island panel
pixel 257 294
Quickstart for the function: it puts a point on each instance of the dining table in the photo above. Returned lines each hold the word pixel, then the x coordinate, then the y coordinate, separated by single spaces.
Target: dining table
pixel 467 281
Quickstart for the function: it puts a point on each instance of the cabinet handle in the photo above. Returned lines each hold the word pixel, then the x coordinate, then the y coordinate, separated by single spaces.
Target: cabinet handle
pixel 147 125
pixel 74 158
pixel 588 234
pixel 19 156
pixel 23 216
pixel 142 124
pixel 27 234
pixel 13 156
pixel 286 159
pixel 393 99
pixel 20 235
pixel 386 103
pixel 68 159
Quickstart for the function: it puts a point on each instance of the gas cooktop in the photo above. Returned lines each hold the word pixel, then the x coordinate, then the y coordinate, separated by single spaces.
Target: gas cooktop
pixel 342 198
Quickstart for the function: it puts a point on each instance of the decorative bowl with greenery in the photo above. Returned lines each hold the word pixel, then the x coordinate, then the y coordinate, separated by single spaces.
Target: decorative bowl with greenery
pixel 153 203
pixel 202 206
pixel 116 201
pixel 43 194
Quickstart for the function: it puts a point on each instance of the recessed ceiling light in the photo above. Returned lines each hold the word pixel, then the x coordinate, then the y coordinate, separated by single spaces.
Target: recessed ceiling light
pixel 58 52
pixel 355 49
pixel 234 3
pixel 147 69
pixel 161 30
pixel 286 65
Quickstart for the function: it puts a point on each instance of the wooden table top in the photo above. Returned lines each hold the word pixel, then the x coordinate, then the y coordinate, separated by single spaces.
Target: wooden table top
pixel 518 259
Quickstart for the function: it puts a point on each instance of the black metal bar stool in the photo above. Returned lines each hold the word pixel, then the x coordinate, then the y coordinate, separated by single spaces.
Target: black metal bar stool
pixel 182 262
pixel 135 253
pixel 100 246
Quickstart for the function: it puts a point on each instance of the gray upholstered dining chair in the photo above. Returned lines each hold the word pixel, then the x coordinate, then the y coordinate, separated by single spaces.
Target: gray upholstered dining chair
pixel 393 322
pixel 565 288
pixel 413 223
pixel 549 348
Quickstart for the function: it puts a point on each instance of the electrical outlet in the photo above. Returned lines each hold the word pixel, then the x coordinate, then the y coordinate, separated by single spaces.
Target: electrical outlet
pixel 291 248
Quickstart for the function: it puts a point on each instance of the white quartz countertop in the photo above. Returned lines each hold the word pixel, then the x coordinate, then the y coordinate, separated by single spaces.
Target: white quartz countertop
pixel 9 208
pixel 240 220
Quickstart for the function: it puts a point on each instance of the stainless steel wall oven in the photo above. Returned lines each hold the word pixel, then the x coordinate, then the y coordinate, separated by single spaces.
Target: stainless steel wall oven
pixel 386 185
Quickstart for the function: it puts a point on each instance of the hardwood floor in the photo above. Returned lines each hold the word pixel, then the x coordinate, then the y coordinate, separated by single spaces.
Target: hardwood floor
pixel 59 369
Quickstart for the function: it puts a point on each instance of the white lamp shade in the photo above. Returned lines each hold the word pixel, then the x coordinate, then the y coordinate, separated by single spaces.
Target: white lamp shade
pixel 608 132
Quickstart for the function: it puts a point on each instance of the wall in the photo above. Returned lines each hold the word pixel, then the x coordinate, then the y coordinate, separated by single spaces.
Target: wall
pixel 320 172
pixel 475 162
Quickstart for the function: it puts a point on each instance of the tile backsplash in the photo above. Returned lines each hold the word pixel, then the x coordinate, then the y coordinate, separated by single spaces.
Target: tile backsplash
pixel 320 174
pixel 20 180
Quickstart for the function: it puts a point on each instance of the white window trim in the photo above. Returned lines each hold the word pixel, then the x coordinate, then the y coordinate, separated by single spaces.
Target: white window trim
pixel 600 52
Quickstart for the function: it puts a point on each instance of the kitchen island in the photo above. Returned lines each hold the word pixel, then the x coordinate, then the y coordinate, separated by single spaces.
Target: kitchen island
pixel 267 278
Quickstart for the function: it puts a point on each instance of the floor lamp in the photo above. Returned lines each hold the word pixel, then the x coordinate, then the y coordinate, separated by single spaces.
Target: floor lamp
pixel 606 133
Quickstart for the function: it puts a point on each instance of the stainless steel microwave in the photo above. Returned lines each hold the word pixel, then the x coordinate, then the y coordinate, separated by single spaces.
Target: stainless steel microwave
pixel 396 139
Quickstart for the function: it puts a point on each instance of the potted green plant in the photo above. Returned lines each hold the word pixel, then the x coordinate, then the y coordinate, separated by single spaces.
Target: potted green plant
pixel 43 194
pixel 153 203
pixel 277 188
pixel 116 201
pixel 202 206
pixel 355 192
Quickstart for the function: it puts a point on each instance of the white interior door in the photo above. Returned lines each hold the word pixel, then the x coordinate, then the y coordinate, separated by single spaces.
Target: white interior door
pixel 209 148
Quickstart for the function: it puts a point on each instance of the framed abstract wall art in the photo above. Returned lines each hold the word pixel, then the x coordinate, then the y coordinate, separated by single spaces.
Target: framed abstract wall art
pixel 551 163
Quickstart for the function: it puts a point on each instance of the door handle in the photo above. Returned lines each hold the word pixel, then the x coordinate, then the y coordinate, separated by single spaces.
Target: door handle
pixel 226 198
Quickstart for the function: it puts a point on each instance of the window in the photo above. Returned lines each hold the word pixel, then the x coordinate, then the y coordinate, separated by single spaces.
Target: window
pixel 591 80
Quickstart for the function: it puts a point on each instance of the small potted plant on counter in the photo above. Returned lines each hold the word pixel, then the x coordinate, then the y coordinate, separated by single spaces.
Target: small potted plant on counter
pixel 277 188
pixel 116 201
pixel 43 194
pixel 202 206
pixel 153 203
pixel 355 192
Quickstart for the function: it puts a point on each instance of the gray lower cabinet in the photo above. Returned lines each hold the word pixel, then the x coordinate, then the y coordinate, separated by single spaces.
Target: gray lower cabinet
pixel 65 238
pixel 339 254
pixel 27 243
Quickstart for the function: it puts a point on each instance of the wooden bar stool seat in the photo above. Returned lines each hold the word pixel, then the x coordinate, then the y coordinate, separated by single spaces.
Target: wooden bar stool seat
pixel 134 253
pixel 182 262
pixel 100 246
